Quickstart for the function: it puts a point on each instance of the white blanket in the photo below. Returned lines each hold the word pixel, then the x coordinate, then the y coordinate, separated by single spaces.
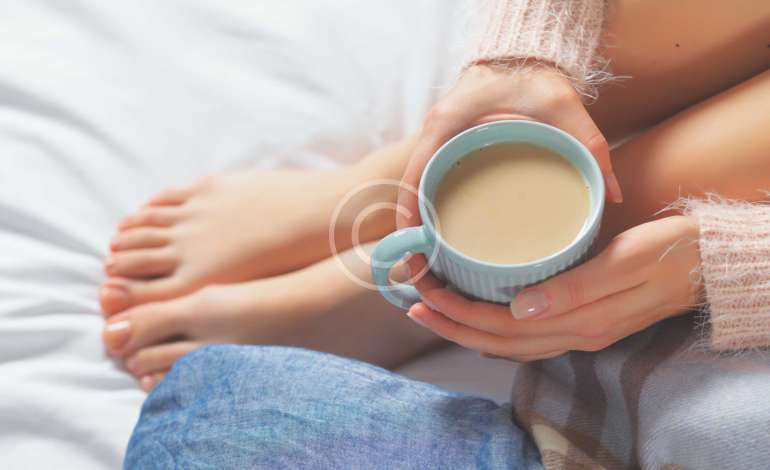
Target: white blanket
pixel 104 103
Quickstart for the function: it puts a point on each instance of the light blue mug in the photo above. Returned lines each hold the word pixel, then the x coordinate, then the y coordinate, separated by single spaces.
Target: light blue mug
pixel 474 278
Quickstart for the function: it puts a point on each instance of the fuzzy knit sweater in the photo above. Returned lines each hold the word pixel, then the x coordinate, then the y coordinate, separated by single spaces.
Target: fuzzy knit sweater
pixel 657 399
pixel 735 238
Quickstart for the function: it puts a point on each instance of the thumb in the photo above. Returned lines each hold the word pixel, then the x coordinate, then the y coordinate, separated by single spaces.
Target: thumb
pixel 579 123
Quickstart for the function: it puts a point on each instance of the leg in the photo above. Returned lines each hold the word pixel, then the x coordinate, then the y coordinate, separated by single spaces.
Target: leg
pixel 720 145
pixel 676 54
pixel 265 407
pixel 319 307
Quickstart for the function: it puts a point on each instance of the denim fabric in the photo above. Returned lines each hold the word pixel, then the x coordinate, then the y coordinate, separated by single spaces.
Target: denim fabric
pixel 273 407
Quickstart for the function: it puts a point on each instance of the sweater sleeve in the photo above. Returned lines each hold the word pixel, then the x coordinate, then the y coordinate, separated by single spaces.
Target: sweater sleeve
pixel 565 33
pixel 735 266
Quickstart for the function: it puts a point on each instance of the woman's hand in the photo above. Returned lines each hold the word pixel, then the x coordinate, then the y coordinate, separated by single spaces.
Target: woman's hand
pixel 485 93
pixel 645 275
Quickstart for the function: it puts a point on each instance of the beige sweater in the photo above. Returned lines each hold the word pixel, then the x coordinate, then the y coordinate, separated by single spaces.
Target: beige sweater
pixel 735 238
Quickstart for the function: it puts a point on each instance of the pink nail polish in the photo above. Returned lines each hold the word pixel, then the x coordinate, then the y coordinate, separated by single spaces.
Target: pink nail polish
pixel 131 364
pixel 146 383
pixel 117 334
pixel 415 319
pixel 529 303
pixel 114 297
pixel 430 305
pixel 614 187
pixel 109 264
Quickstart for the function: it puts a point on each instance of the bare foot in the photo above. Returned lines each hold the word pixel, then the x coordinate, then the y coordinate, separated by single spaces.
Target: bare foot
pixel 317 307
pixel 223 229
pixel 244 226
pixel 151 337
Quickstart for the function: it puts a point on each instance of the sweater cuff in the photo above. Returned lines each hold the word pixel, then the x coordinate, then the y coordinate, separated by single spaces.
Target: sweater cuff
pixel 735 263
pixel 565 33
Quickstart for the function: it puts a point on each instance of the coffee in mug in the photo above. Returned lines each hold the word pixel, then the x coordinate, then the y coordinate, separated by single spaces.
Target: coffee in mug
pixel 511 203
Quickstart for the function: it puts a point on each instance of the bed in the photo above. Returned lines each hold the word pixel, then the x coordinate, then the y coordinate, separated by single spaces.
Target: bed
pixel 104 103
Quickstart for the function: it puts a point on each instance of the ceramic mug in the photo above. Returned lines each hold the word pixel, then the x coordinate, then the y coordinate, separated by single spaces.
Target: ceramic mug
pixel 479 279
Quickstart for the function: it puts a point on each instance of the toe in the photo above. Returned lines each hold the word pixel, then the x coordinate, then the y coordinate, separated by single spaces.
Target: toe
pixel 136 238
pixel 148 382
pixel 162 216
pixel 158 358
pixel 141 263
pixel 118 294
pixel 146 325
pixel 114 297
pixel 172 196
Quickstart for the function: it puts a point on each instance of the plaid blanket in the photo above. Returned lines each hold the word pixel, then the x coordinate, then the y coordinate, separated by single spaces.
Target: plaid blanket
pixel 657 400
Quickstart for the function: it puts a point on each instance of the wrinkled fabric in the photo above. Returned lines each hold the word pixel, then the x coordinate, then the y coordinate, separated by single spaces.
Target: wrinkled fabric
pixel 276 407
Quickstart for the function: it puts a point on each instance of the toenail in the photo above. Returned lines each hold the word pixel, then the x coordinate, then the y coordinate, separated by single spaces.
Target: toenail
pixel 115 243
pixel 124 222
pixel 115 296
pixel 116 334
pixel 132 363
pixel 146 383
pixel 109 264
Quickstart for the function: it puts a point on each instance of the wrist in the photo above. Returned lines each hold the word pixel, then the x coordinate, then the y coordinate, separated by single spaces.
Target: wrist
pixel 526 75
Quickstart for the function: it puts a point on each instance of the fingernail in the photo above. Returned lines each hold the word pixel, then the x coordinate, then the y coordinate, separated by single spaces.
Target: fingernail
pixel 430 305
pixel 114 297
pixel 528 303
pixel 146 383
pixel 614 188
pixel 116 334
pixel 132 363
pixel 415 319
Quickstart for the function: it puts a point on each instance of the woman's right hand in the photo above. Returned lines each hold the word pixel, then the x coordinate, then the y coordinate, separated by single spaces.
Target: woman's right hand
pixel 490 93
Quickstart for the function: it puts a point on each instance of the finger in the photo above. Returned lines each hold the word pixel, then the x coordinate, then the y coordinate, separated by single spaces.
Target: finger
pixel 620 266
pixel 497 319
pixel 422 279
pixel 484 316
pixel 637 310
pixel 576 121
pixel 527 358
pixel 486 342
pixel 466 312
pixel 612 318
pixel 430 139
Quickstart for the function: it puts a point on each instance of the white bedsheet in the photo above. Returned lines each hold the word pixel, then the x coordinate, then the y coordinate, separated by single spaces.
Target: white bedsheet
pixel 104 103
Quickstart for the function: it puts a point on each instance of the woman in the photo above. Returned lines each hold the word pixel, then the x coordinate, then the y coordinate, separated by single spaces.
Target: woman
pixel 376 417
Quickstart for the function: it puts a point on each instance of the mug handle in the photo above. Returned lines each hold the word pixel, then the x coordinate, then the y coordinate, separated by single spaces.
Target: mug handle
pixel 387 253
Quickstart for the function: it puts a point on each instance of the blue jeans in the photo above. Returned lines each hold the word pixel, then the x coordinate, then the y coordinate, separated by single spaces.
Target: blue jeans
pixel 274 407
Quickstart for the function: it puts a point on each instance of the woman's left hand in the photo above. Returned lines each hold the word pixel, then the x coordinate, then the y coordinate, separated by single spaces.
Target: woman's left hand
pixel 643 276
